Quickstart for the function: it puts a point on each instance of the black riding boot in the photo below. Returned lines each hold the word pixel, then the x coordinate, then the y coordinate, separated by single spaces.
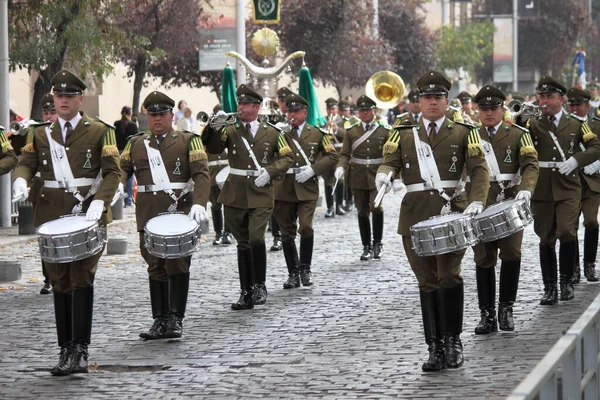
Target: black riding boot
pixel 245 302
pixel 339 198
pixel 452 299
pixel 377 235
pixel 548 264
pixel 566 263
pixel 432 325
pixel 62 313
pixel 83 306
pixel 159 300
pixel 259 264
pixel 365 236
pixel 290 253
pixel 577 268
pixel 348 197
pixel 276 234
pixel 47 288
pixel 509 283
pixel 590 249
pixel 329 201
pixel 486 293
pixel 179 285
pixel 306 250
pixel 217 216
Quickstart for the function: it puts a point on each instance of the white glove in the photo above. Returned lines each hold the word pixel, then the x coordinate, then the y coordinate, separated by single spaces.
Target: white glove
pixel 523 195
pixel 281 125
pixel 95 210
pixel 20 191
pixel 476 207
pixel 262 179
pixel 339 173
pixel 305 174
pixel 198 213
pixel 592 168
pixel 568 166
pixel 382 179
pixel 221 112
pixel 398 185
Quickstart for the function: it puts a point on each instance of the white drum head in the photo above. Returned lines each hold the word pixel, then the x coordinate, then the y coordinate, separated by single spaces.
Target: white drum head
pixel 495 208
pixel 440 219
pixel 171 224
pixel 72 223
pixel 221 176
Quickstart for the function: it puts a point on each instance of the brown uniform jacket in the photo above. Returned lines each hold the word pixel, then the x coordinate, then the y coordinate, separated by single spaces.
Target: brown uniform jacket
pixel 183 159
pixel 88 137
pixel 359 176
pixel 320 154
pixel 455 149
pixel 8 158
pixel 514 150
pixel 216 162
pixel 406 118
pixel 552 185
pixel 240 191
pixel 592 181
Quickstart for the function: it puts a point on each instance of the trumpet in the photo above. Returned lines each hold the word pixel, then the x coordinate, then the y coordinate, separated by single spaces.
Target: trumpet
pixel 216 121
pixel 524 109
pixel 21 128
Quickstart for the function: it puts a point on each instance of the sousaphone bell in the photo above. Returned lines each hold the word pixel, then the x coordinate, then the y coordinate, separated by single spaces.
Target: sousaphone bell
pixel 386 88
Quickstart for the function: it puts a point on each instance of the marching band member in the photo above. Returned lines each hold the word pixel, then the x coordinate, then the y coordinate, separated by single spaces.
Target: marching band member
pixel 296 195
pixel 454 148
pixel 185 182
pixel 72 155
pixel 248 192
pixel 334 127
pixel 513 165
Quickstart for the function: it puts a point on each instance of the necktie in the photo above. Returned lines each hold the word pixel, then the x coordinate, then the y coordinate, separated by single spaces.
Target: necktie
pixel 552 122
pixel 368 127
pixel 159 140
pixel 248 129
pixel 295 128
pixel 416 117
pixel 68 128
pixel 432 132
pixel 491 131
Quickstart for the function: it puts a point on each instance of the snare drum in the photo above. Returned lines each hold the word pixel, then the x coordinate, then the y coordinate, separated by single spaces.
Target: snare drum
pixel 70 238
pixel 171 236
pixel 443 234
pixel 503 219
pixel 221 177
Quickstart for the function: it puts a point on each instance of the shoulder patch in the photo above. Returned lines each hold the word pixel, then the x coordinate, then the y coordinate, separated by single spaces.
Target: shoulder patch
pixel 104 122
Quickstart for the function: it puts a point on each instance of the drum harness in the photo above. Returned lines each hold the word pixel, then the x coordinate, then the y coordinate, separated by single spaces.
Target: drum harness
pixel 64 175
pixel 431 175
pixel 361 140
pixel 160 177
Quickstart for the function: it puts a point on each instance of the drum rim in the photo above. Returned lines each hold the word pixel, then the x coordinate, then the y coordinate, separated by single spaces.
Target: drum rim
pixel 92 224
pixel 146 229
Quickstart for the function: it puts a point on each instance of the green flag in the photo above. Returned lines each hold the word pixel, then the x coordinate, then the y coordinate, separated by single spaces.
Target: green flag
pixel 306 89
pixel 228 96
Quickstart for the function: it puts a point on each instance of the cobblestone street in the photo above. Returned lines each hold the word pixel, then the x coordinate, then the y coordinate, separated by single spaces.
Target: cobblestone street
pixel 355 334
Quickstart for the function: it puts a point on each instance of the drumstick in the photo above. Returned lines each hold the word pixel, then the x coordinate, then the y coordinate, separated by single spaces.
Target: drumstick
pixel 335 184
pixel 381 192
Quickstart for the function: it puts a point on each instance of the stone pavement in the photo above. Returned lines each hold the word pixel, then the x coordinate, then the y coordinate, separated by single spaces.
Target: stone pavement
pixel 355 334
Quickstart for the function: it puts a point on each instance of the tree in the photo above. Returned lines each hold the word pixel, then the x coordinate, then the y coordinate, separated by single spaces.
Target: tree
pixel 47 36
pixel 464 47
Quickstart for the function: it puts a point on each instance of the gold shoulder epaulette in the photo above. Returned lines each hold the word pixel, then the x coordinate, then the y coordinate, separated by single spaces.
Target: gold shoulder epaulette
pixel 474 148
pixel 109 144
pixel 5 145
pixel 526 146
pixel 196 149
pixel 327 146
pixel 587 132
pixel 104 122
pixel 391 146
pixel 282 145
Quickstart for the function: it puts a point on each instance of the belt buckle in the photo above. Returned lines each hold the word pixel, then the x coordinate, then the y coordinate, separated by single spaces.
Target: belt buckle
pixel 427 186
pixel 553 164
pixel 297 170
pixel 249 172
pixel 148 188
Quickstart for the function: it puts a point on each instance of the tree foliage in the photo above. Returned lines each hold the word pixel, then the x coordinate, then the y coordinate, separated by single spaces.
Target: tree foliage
pixel 46 36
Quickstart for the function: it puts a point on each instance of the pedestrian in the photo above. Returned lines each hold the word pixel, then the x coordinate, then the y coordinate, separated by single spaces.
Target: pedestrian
pixel 441 288
pixel 90 149
pixel 514 170
pixel 297 193
pixel 358 163
pixel 124 129
pixel 556 201
pixel 185 123
pixel 247 193
pixel 184 159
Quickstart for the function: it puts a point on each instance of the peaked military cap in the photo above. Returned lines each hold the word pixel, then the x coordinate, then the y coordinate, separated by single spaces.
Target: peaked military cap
pixel 283 92
pixel 157 102
pixel 413 95
pixel 65 82
pixel 331 103
pixel 246 94
pixel 353 107
pixel 48 102
pixel 432 82
pixel 489 96
pixel 577 96
pixel 593 85
pixel 465 97
pixel 344 105
pixel 295 102
pixel 364 102
pixel 548 84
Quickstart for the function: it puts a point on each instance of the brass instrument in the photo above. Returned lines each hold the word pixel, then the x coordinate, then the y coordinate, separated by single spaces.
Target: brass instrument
pixel 21 128
pixel 524 109
pixel 216 121
pixel 386 88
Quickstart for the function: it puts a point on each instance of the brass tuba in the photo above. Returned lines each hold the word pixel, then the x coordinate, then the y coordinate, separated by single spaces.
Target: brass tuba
pixel 386 88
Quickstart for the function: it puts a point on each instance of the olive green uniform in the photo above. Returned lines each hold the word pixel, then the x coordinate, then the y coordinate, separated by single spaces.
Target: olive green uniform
pixel 216 163
pixel 8 158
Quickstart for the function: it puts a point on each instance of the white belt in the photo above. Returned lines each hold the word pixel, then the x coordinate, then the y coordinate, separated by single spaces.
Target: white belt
pixel 156 188
pixel 338 145
pixel 550 164
pixel 419 187
pixel 77 182
pixel 498 178
pixel 294 170
pixel 244 172
pixel 217 163
pixel 366 161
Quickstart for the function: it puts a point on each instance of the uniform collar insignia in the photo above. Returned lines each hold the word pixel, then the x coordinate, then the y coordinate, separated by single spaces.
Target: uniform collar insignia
pixel 86 123
pixel 449 125
pixel 63 85
pixel 506 127
pixel 431 85
pixel 488 98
